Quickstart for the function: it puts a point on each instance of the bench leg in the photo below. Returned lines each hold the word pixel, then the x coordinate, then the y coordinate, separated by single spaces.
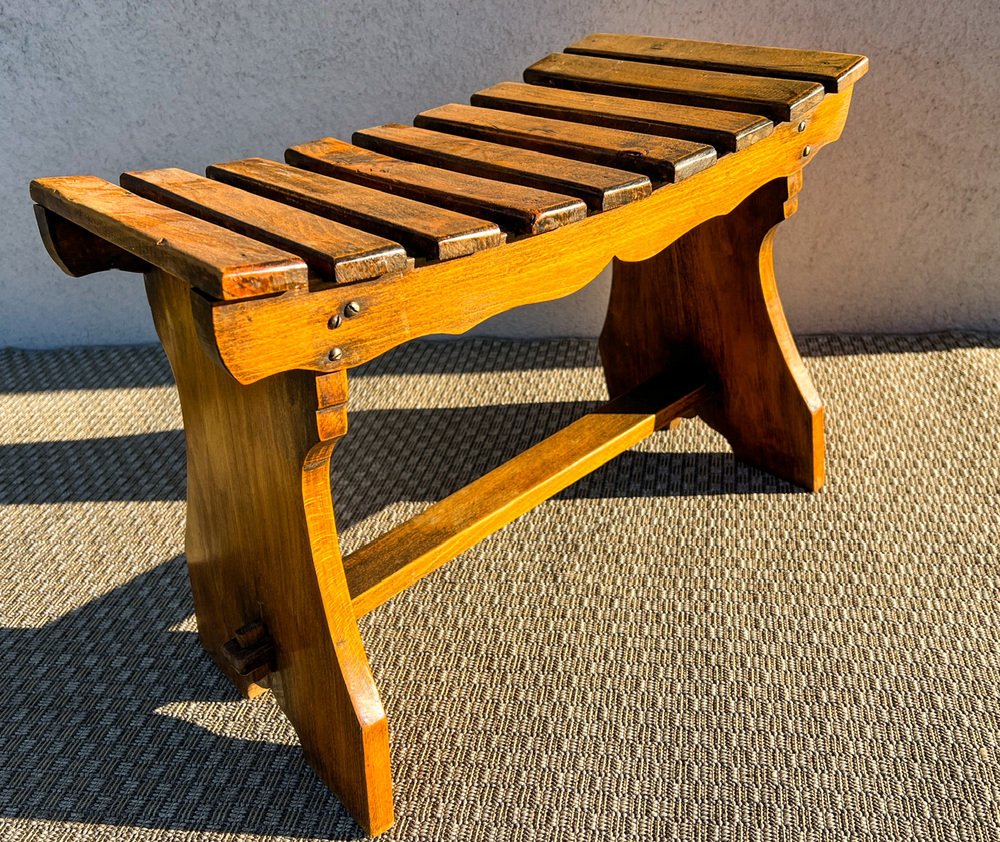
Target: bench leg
pixel 262 545
pixel 710 299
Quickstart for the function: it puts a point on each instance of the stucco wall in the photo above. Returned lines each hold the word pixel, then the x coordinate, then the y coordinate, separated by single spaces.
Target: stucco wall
pixel 898 224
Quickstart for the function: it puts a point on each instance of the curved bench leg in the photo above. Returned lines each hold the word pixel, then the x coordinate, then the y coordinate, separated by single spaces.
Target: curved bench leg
pixel 710 299
pixel 262 545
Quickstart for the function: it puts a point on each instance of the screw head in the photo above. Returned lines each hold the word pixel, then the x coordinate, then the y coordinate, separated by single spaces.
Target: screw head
pixel 352 308
pixel 334 321
pixel 802 126
pixel 806 151
pixel 335 354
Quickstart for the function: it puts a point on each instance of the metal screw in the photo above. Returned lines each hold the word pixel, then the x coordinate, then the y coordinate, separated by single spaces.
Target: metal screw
pixel 335 354
pixel 334 322
pixel 352 308
pixel 805 151
pixel 802 126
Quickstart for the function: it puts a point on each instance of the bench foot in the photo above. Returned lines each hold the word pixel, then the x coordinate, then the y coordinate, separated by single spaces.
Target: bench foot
pixel 262 546
pixel 709 299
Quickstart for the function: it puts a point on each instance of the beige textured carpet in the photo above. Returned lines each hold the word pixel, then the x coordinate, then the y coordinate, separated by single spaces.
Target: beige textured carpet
pixel 678 647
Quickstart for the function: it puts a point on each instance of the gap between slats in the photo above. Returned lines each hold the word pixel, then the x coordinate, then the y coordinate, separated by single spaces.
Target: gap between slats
pixel 835 71
pixel 520 209
pixel 602 188
pixel 337 252
pixel 727 131
pixel 427 231
pixel 778 99
pixel 662 159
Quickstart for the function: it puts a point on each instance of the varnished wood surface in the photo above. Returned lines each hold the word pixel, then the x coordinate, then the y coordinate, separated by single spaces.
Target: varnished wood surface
pixel 222 263
pixel 710 298
pixel 602 188
pixel 339 253
pixel 523 209
pixel 661 158
pixel 728 131
pixel 396 560
pixel 262 545
pixel 834 71
pixel 425 230
pixel 255 340
pixel 778 99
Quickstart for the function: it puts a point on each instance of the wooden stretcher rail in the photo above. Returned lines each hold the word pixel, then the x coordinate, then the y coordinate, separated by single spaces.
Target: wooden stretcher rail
pixel 399 558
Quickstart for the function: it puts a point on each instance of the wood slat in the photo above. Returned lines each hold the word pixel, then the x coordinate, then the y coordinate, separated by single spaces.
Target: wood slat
pixel 834 71
pixel 661 158
pixel 728 131
pixel 525 210
pixel 254 339
pixel 390 564
pixel 778 99
pixel 340 253
pixel 602 188
pixel 425 230
pixel 219 262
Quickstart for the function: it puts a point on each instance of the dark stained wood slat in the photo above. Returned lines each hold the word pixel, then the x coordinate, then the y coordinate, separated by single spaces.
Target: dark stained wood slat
pixel 602 188
pixel 425 230
pixel 778 99
pixel 661 158
pixel 526 210
pixel 834 71
pixel 340 253
pixel 217 261
pixel 729 131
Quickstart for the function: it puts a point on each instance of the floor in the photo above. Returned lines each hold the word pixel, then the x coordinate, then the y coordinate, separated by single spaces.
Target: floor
pixel 677 647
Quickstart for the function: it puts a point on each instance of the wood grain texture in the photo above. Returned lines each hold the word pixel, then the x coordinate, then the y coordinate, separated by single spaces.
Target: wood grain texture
pixel 255 340
pixel 524 210
pixel 339 253
pixel 661 158
pixel 710 299
pixel 78 252
pixel 396 560
pixel 602 188
pixel 834 71
pixel 425 230
pixel 727 131
pixel 262 545
pixel 220 262
pixel 778 99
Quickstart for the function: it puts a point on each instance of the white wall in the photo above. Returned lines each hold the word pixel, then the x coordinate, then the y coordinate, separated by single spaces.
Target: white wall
pixel 898 224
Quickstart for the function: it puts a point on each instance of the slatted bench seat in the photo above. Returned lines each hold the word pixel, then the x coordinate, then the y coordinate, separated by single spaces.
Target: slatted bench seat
pixel 269 281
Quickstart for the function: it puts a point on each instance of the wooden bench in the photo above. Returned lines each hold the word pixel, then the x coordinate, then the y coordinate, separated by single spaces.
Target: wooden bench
pixel 269 281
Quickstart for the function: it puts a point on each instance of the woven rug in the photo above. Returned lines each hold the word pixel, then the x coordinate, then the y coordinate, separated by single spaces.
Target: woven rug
pixel 677 647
